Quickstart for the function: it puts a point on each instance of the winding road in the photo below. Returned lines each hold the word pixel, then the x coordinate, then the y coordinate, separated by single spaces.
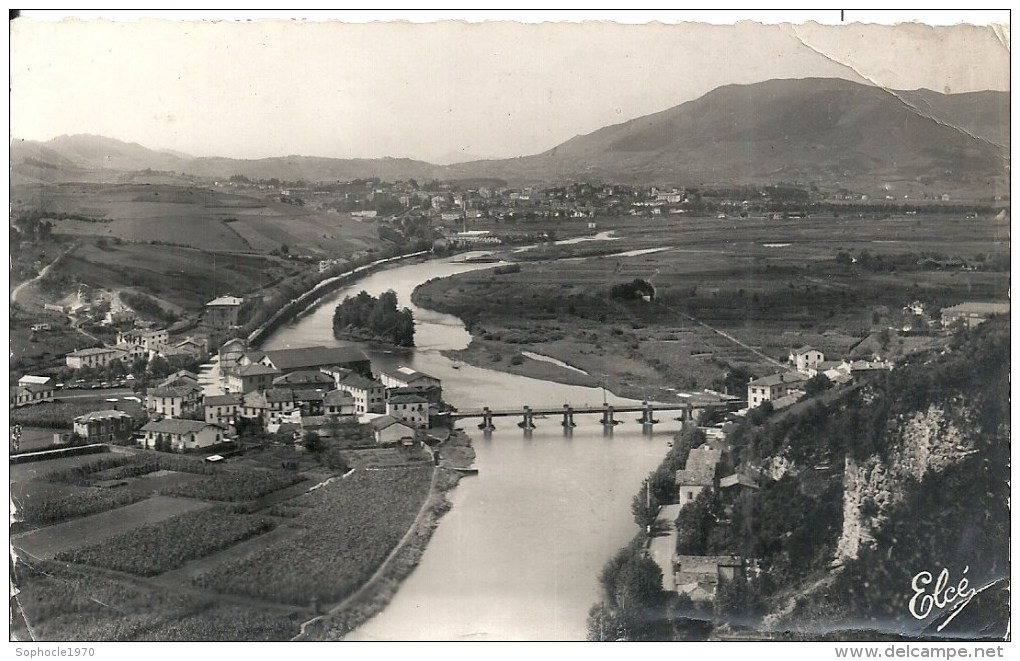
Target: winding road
pixel 42 273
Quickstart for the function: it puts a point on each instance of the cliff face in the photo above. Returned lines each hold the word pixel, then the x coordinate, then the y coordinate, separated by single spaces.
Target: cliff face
pixel 925 442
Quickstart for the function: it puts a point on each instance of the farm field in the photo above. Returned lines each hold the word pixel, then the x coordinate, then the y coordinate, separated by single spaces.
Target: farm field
pixel 729 293
pixel 35 438
pixel 159 547
pixel 351 525
pixel 173 552
pixel 47 542
pixel 197 216
pixel 182 278
pixel 58 602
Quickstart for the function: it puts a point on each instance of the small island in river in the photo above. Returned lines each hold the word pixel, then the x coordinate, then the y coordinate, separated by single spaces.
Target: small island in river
pixel 365 317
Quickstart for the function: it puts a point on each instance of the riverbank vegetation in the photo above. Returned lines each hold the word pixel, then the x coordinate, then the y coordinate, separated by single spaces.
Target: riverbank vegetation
pixel 367 317
pixel 729 295
pixel 911 465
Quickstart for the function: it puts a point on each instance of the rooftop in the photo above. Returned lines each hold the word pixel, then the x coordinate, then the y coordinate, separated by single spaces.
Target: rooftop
pixel 408 375
pixel 232 301
pixel 776 379
pixel 94 351
pixel 338 397
pixel 223 400
pixel 177 426
pixel 359 382
pixel 978 308
pixel 173 391
pixel 308 395
pixel 101 415
pixel 279 395
pixel 256 369
pixel 385 422
pixel 38 380
pixel 293 359
pixel 408 399
pixel 303 377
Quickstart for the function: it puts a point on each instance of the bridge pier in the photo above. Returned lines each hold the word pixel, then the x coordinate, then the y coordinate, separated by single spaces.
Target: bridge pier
pixel 686 414
pixel 568 416
pixel 486 424
pixel 647 415
pixel 607 416
pixel 529 419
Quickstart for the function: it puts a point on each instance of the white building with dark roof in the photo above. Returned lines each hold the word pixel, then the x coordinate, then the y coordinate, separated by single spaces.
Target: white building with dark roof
pixel 805 358
pixel 177 435
pixel 369 395
pixel 94 357
pixel 390 431
pixel 222 409
pixel 104 426
pixel 411 409
pixel 971 314
pixel 222 312
pixel 773 387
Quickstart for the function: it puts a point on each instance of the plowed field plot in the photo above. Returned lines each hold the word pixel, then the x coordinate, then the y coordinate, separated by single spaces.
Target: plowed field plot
pixel 46 543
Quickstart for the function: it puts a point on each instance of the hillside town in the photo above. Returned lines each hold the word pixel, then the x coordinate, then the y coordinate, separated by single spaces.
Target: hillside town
pixel 190 399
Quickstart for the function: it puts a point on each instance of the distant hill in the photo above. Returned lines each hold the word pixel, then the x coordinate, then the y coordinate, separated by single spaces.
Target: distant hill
pixel 828 131
pixel 97 159
pixel 812 130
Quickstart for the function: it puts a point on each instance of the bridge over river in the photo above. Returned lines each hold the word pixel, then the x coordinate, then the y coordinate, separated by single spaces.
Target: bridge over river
pixel 528 414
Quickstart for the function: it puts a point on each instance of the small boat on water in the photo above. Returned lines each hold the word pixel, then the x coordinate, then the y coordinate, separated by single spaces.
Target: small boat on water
pixel 456 365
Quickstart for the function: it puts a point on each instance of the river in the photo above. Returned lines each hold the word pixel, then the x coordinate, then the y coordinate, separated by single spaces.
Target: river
pixel 519 554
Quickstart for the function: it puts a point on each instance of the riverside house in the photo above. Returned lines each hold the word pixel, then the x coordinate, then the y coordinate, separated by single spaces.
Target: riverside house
pixel 389 431
pixel 369 395
pixel 698 474
pixel 410 409
pixel 179 435
pixel 773 387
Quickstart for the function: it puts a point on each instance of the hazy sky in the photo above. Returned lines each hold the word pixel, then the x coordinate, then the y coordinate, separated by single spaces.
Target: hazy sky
pixel 429 91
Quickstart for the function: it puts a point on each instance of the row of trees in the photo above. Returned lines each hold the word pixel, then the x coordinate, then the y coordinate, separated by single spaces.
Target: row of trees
pixel 378 318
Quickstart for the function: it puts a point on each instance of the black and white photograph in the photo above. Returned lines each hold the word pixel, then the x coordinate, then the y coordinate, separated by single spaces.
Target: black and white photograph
pixel 505 326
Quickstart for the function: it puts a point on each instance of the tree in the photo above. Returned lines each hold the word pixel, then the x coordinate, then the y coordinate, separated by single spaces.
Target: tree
pixel 695 523
pixel 645 507
pixel 736 380
pixel 817 384
pixel 604 625
pixel 759 414
pixel 158 368
pixel 313 442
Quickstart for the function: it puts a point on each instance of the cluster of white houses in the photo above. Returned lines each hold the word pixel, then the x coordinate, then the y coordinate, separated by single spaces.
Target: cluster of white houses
pixel 785 388
pixel 698 576
pixel 138 344
pixel 290 390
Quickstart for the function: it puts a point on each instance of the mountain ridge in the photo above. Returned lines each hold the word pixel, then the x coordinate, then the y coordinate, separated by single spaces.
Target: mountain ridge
pixel 826 130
